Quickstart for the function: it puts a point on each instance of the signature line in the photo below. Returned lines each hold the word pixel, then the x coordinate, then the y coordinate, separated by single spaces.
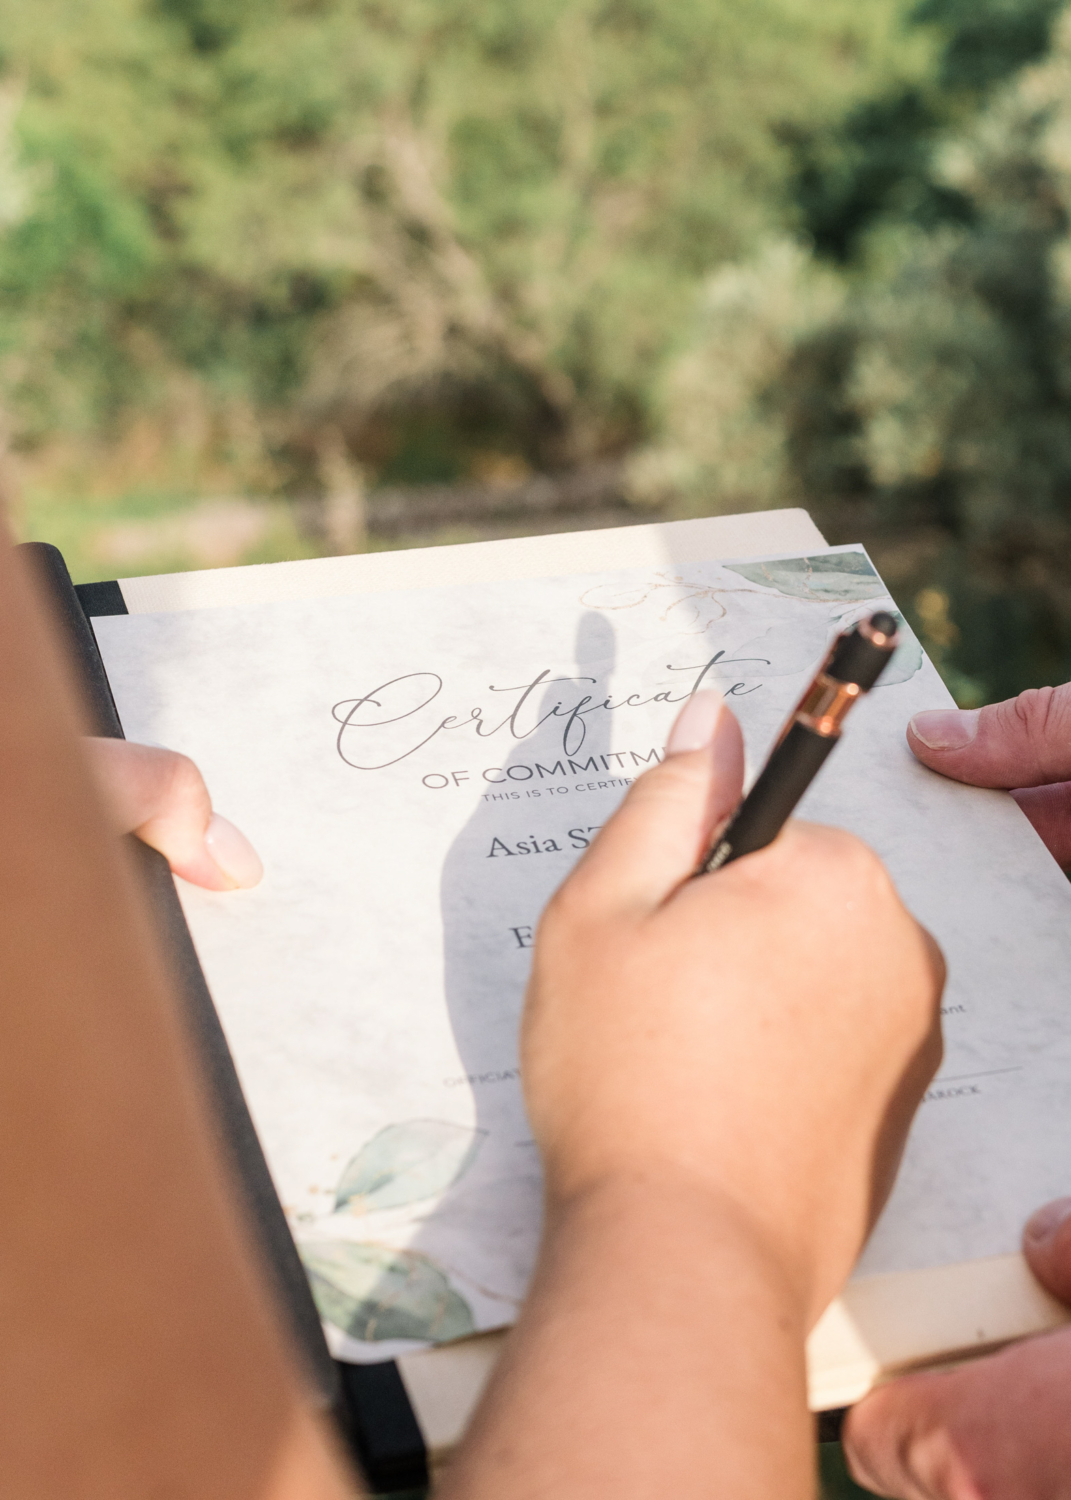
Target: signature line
pixel 992 1073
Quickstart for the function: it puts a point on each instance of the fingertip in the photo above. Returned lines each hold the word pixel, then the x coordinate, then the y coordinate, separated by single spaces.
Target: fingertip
pixel 232 852
pixel 665 823
pixel 222 859
pixel 198 869
pixel 727 755
pixel 871 1437
pixel 707 740
pixel 1042 1225
pixel 707 723
pixel 854 1441
pixel 696 725
pixel 881 1432
pixel 940 730
pixel 1047 1247
pixel 1023 742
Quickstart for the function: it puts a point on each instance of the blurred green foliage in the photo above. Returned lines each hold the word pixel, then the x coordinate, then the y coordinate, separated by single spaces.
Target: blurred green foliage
pixel 330 208
pixel 762 251
pixel 877 159
pixel 912 384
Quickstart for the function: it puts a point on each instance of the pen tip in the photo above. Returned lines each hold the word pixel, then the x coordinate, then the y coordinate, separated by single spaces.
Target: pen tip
pixel 883 623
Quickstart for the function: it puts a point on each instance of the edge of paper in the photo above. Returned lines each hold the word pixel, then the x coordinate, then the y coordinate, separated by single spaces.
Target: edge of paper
pixel 754 534
pixel 883 1326
pixel 880 1327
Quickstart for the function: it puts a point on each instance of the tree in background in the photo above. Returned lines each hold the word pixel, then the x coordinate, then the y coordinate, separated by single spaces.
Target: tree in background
pixel 877 160
pixel 425 228
pixel 752 251
pixel 921 396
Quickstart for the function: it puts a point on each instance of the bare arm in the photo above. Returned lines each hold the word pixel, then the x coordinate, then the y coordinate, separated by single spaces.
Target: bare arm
pixel 140 1353
pixel 720 1074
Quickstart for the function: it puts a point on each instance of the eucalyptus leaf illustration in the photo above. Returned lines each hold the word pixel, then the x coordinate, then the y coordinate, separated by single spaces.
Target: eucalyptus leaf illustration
pixel 845 576
pixel 800 643
pixel 793 646
pixel 907 658
pixel 406 1162
pixel 373 1292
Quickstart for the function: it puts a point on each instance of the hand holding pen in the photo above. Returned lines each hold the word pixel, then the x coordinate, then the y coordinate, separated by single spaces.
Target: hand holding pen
pixel 850 669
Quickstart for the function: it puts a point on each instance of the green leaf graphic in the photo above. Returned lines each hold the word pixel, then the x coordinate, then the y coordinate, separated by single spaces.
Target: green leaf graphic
pixel 846 576
pixel 406 1162
pixel 373 1292
pixel 907 658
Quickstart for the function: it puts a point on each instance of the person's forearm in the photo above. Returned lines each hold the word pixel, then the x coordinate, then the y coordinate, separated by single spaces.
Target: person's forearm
pixel 141 1354
pixel 660 1352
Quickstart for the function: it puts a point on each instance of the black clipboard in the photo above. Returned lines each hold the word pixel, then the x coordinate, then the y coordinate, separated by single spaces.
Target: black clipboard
pixel 369 1403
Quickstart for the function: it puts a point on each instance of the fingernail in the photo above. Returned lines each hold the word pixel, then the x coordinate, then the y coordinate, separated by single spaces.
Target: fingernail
pixel 696 722
pixel 233 853
pixel 1044 1224
pixel 946 728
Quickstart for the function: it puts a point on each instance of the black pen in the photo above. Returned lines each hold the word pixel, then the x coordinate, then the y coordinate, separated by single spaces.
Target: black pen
pixel 851 668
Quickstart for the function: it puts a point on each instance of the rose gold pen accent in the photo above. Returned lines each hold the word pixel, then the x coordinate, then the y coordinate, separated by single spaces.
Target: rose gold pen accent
pixel 824 705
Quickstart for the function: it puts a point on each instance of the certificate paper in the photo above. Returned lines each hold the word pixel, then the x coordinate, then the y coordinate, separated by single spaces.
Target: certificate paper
pixel 419 771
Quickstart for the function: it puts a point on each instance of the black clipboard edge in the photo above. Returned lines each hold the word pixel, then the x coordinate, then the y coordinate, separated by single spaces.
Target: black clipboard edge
pixel 369 1402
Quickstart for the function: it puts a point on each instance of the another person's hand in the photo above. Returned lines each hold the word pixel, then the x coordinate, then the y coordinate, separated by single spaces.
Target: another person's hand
pixel 161 796
pixel 1022 744
pixel 764 1033
pixel 996 1429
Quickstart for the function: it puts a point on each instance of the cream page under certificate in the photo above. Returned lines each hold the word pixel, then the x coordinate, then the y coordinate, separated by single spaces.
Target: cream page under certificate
pixel 419 771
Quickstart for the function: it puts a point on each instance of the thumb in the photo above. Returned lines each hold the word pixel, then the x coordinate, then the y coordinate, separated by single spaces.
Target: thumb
pixel 161 796
pixel 1047 1247
pixel 655 839
pixel 1025 741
